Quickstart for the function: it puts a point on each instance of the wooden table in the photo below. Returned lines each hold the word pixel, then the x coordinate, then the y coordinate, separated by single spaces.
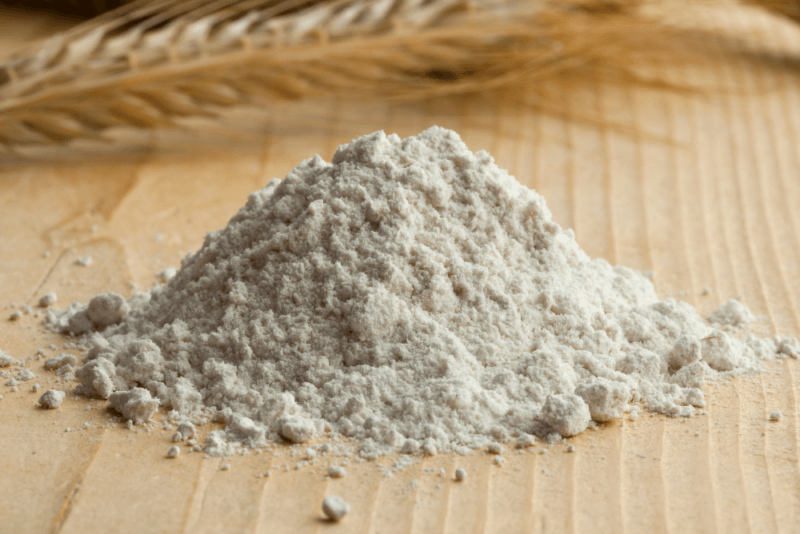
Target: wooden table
pixel 703 188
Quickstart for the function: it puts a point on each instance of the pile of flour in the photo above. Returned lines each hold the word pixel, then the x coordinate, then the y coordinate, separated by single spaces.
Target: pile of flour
pixel 409 294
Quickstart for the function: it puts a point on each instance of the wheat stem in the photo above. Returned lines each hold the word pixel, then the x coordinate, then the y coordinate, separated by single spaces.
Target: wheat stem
pixel 154 60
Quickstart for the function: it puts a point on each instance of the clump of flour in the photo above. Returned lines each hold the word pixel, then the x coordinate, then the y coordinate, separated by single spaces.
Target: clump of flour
pixel 733 313
pixel 408 294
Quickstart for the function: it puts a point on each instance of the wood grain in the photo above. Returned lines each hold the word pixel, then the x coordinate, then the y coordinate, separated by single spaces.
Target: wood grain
pixel 705 192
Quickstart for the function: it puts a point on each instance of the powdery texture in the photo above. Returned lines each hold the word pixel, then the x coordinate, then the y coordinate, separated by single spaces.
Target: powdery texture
pixel 411 295
pixel 732 313
pixel 335 508
pixel 48 299
pixel 52 398
pixel 59 361
pixel 6 360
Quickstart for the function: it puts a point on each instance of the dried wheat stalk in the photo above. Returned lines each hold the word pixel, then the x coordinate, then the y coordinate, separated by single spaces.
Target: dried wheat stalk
pixel 152 61
pixel 788 8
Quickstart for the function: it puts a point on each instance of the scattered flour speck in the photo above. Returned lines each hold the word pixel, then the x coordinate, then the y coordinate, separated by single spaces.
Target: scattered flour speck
pixel 335 508
pixel 6 360
pixel 732 313
pixel 336 471
pixel 52 399
pixel 48 299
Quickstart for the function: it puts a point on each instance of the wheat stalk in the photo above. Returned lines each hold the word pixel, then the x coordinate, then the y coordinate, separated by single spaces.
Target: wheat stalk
pixel 150 62
pixel 787 8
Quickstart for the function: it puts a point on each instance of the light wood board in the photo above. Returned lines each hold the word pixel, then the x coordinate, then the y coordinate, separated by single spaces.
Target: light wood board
pixel 705 193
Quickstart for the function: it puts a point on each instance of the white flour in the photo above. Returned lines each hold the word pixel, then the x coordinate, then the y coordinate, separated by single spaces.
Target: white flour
pixel 410 295
pixel 335 508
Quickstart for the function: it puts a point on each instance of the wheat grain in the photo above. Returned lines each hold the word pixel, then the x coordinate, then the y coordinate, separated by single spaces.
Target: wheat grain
pixel 152 61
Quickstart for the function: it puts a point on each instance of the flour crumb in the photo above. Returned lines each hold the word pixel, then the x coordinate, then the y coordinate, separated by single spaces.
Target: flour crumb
pixel 6 360
pixel 59 361
pixel 410 446
pixel 570 448
pixel 495 448
pixel 606 399
pixel 48 299
pixel 461 474
pixel 15 316
pixel 52 399
pixel 775 416
pixel 84 261
pixel 429 447
pixel 732 313
pixel 567 414
pixel 25 375
pixel 335 508
pixel 224 467
pixel 167 274
pixel 788 346
pixel 336 471
pixel 136 404
pixel 173 451
pixel 498 461
pixel 187 431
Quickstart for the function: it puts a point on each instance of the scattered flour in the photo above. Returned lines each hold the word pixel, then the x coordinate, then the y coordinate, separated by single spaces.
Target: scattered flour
pixel 410 295
pixel 59 361
pixel 461 474
pixel 775 416
pixel 495 448
pixel 52 399
pixel 335 508
pixel 167 274
pixel 173 452
pixel 186 431
pixel 732 313
pixel 136 404
pixel 336 471
pixel 25 374
pixel 48 299
pixel 84 261
pixel 6 360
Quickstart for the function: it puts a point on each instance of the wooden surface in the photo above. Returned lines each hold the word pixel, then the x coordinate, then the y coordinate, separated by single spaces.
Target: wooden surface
pixel 706 192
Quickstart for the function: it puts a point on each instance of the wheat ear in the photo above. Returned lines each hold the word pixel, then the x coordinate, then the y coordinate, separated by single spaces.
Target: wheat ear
pixel 152 61
pixel 787 8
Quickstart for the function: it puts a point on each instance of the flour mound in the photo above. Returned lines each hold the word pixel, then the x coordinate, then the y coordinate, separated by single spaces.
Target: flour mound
pixel 409 294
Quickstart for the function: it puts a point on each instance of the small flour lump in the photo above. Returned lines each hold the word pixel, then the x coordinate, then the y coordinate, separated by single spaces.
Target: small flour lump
pixel 408 294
